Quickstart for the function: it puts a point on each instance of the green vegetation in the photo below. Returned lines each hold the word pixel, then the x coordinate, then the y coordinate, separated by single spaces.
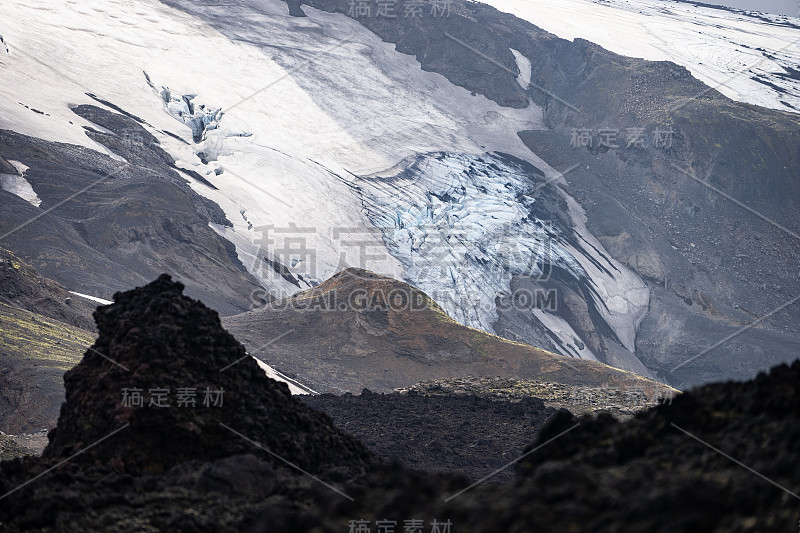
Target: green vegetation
pixel 36 339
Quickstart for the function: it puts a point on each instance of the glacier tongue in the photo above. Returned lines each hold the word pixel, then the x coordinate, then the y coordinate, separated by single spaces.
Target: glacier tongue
pixel 463 226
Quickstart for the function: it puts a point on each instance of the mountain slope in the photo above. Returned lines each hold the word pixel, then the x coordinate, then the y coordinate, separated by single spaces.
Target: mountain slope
pixel 655 198
pixel 122 222
pixel 35 351
pixel 362 330
pixel 340 141
pixel 43 331
pixel 22 286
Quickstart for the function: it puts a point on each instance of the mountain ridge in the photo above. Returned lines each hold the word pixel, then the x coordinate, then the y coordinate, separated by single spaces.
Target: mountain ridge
pixel 363 330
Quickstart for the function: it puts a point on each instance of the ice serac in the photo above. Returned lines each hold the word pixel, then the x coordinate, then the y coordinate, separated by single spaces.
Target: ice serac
pixel 485 234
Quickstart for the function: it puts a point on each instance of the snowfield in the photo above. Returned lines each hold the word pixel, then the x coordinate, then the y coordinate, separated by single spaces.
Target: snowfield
pixel 19 185
pixel 748 57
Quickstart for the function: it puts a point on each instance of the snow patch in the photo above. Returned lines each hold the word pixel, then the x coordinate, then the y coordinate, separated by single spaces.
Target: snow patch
pixel 524 66
pixel 19 186
pixel 92 298
pixel 294 386
pixel 564 336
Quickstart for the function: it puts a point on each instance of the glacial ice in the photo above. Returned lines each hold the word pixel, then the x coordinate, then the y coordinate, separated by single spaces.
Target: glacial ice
pixel 461 227
pixel 199 119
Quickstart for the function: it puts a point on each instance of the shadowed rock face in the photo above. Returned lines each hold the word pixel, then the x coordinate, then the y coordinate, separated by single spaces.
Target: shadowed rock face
pixel 167 341
pixel 23 287
pixel 654 473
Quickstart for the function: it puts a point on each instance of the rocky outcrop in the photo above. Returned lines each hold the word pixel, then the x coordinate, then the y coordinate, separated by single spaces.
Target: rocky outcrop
pixel 202 397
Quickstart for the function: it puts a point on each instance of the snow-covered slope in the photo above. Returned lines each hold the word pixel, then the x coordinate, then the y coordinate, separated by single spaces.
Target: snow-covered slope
pixel 301 97
pixel 749 57
pixel 281 115
pixel 327 148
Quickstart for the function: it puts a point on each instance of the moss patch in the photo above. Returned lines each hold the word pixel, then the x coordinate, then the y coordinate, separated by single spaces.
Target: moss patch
pixel 40 340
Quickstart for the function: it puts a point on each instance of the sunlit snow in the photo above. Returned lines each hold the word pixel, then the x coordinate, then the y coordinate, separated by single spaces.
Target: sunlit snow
pixel 723 49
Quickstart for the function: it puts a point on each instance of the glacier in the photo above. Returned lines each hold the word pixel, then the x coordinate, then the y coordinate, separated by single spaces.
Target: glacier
pixel 463 226
pixel 432 179
pixel 460 226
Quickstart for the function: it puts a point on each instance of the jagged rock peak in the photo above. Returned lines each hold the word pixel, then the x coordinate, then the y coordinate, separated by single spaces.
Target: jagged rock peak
pixel 176 386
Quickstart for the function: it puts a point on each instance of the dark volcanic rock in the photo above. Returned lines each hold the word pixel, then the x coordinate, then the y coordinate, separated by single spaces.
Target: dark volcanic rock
pixel 461 433
pixel 239 474
pixel 693 465
pixel 659 471
pixel 155 338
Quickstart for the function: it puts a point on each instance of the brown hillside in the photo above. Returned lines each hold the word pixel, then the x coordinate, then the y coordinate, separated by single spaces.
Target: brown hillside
pixel 362 330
